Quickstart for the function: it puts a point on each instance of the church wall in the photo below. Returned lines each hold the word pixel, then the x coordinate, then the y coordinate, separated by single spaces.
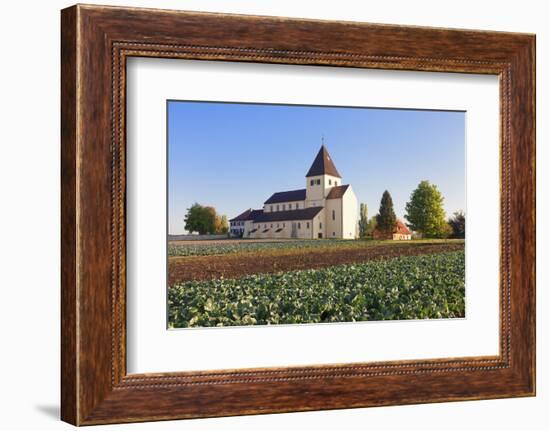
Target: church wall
pixel 248 226
pixel 315 203
pixel 319 224
pixel 284 233
pixel 303 231
pixel 330 182
pixel 349 214
pixel 316 191
pixel 333 226
pixel 284 206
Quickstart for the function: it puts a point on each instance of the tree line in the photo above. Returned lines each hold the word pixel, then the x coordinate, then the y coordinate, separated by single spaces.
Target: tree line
pixel 424 214
pixel 205 220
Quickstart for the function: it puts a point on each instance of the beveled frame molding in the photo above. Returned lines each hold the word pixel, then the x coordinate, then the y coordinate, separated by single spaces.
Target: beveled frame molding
pixel 96 41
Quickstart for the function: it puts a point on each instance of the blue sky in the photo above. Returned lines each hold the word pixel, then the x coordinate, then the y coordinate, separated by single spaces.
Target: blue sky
pixel 234 156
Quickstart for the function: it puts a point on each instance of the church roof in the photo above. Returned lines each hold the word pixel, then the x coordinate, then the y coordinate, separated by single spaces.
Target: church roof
pixel 304 214
pixel 288 196
pixel 243 216
pixel 323 165
pixel 249 214
pixel 337 192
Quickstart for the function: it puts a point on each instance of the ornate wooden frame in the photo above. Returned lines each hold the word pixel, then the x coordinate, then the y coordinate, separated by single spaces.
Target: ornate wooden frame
pixel 95 42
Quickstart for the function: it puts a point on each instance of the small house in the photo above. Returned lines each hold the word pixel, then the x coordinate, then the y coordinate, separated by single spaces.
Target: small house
pixel 400 233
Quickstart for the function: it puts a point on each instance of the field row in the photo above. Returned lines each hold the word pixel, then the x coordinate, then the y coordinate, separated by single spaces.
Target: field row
pixel 230 246
pixel 411 287
pixel 238 265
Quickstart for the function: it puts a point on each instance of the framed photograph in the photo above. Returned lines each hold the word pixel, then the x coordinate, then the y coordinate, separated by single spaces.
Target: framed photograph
pixel 264 215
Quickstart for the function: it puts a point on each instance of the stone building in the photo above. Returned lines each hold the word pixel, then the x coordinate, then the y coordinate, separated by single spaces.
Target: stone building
pixel 325 208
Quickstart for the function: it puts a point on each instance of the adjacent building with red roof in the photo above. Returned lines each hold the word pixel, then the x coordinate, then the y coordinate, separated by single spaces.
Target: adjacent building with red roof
pixel 400 233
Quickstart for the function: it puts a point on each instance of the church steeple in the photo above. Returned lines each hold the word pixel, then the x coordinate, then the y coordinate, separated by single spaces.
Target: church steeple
pixel 323 164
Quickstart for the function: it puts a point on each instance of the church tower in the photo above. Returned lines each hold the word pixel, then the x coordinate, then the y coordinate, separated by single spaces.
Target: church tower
pixel 321 178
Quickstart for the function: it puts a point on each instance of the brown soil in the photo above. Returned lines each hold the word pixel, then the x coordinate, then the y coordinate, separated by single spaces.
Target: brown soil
pixel 237 265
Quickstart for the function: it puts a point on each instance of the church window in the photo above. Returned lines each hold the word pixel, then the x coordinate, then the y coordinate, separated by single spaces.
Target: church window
pixel 335 183
pixel 320 225
pixel 284 207
pixel 299 226
pixel 318 182
pixel 312 182
pixel 333 234
pixel 296 205
pixel 329 182
pixel 333 215
pixel 307 225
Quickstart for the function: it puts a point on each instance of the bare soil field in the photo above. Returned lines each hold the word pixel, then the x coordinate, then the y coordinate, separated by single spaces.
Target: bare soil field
pixel 190 268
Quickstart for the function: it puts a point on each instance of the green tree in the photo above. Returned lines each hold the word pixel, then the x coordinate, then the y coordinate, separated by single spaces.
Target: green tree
pixel 363 220
pixel 385 219
pixel 222 226
pixel 371 226
pixel 425 213
pixel 458 224
pixel 201 219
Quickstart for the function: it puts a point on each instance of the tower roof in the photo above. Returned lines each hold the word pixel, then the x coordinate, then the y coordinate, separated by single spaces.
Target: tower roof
pixel 323 165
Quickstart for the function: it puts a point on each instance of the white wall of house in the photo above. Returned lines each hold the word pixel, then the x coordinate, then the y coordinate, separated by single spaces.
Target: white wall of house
pixel 304 229
pixel 349 214
pixel 283 228
pixel 315 203
pixel 248 226
pixel 330 182
pixel 236 227
pixel 284 206
pixel 319 224
pixel 333 229
pixel 317 192
pixel 314 191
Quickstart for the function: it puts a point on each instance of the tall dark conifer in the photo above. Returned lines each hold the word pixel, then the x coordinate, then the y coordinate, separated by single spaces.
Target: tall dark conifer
pixel 385 219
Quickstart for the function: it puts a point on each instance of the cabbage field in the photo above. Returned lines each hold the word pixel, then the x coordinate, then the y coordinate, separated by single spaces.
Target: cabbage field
pixel 428 286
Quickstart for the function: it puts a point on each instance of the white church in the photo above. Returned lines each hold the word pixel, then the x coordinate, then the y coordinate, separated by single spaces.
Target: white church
pixel 326 208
